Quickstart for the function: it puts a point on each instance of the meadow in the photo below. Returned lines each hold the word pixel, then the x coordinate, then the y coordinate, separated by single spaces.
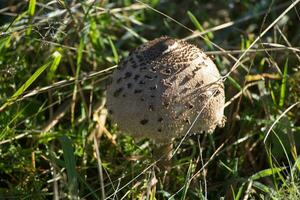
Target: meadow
pixel 57 140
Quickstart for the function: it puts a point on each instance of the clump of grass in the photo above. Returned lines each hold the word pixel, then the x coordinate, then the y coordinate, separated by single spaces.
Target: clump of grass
pixel 289 191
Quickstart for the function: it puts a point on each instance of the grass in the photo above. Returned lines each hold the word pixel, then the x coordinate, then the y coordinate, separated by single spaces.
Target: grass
pixel 57 141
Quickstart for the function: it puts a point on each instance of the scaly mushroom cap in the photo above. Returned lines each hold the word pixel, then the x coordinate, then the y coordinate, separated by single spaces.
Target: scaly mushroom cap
pixel 159 89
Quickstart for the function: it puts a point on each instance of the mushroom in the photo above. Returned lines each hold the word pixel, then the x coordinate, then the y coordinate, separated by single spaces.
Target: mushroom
pixel 161 88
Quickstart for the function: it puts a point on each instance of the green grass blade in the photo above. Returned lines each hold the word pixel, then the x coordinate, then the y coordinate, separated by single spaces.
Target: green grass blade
pixel 283 85
pixel 70 164
pixel 296 165
pixel 187 180
pixel 78 67
pixel 54 65
pixel 262 187
pixel 4 42
pixel 266 172
pixel 195 21
pixel 114 50
pixel 134 33
pixel 31 7
pixel 272 94
pixel 235 83
pixel 239 194
pixel 197 24
pixel 79 55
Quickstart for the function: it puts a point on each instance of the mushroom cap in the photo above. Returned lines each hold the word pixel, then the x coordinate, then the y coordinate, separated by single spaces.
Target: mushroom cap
pixel 160 88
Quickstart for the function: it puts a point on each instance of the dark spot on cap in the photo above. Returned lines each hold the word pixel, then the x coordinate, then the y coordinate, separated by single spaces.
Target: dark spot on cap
pixel 127 75
pixel 190 106
pixel 131 58
pixel 195 71
pixel 142 82
pixel 166 104
pixel 143 68
pixel 148 77
pixel 153 69
pixel 153 87
pixel 184 90
pixel 119 80
pixel 187 121
pixel 144 121
pixel 185 80
pixel 137 91
pixel 109 81
pixel 199 83
pixel 140 57
pixel 167 71
pixel 217 93
pixel 117 92
pixel 194 56
pixel 166 83
pixel 124 62
pixel 151 108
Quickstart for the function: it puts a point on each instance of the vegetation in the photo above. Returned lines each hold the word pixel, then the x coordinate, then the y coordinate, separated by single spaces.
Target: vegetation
pixel 57 141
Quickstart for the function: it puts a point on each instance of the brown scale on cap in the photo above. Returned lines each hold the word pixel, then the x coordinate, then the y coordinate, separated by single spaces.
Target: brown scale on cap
pixel 167 82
